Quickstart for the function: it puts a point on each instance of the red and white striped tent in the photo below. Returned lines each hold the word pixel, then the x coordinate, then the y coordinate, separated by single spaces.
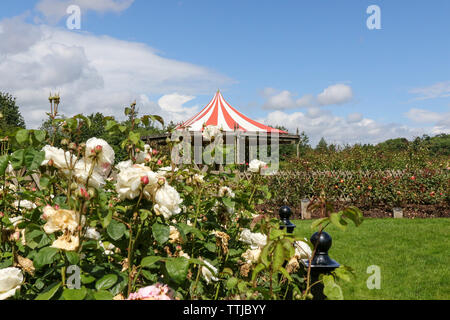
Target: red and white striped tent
pixel 221 114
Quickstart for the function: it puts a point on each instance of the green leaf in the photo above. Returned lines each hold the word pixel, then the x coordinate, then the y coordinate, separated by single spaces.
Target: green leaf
pixel 285 274
pixel 22 136
pixel 86 279
pixel 4 160
pixel 110 124
pixel 354 214
pixel 157 118
pixel 72 257
pixel 332 290
pixel 33 159
pixel 40 135
pixel 151 260
pixel 265 254
pixel 188 229
pixel 74 294
pixel 106 282
pixel 336 220
pixel 116 230
pixel 103 295
pixel 177 269
pixel 260 267
pixel 276 233
pixel 318 222
pixel 134 137
pixel 228 202
pixel 161 232
pixel 344 273
pixel 50 292
pixel 44 182
pixel 231 283
pixel 45 256
pixel 278 256
pixel 17 159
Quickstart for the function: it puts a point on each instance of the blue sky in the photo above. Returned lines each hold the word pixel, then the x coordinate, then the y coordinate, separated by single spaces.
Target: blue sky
pixel 273 60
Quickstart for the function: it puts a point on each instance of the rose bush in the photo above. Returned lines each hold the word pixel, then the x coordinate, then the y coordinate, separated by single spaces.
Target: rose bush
pixel 141 229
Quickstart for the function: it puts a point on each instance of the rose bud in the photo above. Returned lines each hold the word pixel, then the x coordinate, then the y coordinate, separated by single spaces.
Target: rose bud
pixel 72 146
pixel 51 163
pixel 161 181
pixel 98 149
pixel 144 180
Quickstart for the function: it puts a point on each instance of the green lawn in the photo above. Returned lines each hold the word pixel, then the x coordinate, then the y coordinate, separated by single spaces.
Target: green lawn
pixel 413 255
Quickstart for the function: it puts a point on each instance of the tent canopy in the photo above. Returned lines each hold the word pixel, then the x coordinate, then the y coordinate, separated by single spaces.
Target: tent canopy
pixel 221 114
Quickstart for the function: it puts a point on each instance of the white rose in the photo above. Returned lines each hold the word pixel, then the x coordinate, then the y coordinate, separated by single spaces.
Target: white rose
pixel 105 157
pixel 92 234
pixel 174 234
pixel 10 281
pixel 251 256
pixel 24 204
pixel 145 155
pixel 302 250
pixel 129 182
pixel 59 220
pixel 10 169
pixel 211 132
pixel 226 192
pixel 61 159
pixel 255 240
pixel 108 249
pixel 207 274
pixel 168 201
pixel 124 164
pixel 256 165
pixel 16 220
pixel 81 174
pixel 198 178
pixel 67 242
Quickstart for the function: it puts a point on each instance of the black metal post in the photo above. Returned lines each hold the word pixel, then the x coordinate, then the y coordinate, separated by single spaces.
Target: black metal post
pixel 285 213
pixel 321 262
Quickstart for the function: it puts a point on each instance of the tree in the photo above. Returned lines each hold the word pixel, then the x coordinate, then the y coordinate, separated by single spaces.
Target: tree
pixel 10 117
pixel 322 145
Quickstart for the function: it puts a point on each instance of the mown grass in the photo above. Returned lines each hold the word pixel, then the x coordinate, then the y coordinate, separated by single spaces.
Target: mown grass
pixel 413 255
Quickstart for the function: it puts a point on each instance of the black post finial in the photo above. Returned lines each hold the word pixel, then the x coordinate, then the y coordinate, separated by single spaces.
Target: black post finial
pixel 285 213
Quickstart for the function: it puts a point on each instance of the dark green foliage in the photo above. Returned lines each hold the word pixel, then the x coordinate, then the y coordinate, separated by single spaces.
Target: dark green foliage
pixel 10 118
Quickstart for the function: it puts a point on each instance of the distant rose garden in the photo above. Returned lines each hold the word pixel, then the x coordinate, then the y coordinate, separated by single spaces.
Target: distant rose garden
pixel 77 224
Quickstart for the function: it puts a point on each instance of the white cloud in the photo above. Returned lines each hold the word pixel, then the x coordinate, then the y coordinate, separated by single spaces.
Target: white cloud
pixel 283 100
pixel 430 117
pixel 92 73
pixel 437 90
pixel 280 101
pixel 54 10
pixel 335 94
pixel 354 117
pixel 319 123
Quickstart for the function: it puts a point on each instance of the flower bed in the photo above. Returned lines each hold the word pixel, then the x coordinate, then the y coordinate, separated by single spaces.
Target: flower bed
pixel 76 225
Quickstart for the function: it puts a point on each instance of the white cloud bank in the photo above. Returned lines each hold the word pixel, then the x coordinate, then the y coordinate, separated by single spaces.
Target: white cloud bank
pixel 336 94
pixel 94 73
pixel 354 128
